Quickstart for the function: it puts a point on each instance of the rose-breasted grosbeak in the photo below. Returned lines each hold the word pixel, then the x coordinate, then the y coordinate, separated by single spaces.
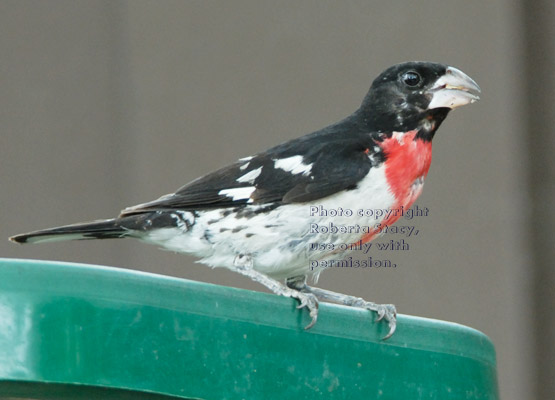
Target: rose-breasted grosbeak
pixel 254 217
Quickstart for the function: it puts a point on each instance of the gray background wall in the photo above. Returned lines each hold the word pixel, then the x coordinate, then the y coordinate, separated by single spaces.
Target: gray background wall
pixel 106 104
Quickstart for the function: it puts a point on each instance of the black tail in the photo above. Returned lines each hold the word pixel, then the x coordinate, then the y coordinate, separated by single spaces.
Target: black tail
pixel 102 229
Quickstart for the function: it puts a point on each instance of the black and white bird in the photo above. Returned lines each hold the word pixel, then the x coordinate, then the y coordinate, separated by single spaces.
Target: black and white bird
pixel 254 216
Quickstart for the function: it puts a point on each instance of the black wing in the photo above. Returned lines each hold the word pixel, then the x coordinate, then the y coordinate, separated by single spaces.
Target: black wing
pixel 302 170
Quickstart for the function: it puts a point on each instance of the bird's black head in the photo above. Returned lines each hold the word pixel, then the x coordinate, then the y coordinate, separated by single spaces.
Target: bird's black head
pixel 416 95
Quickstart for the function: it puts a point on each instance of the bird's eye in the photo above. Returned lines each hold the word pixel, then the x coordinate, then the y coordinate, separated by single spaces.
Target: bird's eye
pixel 411 78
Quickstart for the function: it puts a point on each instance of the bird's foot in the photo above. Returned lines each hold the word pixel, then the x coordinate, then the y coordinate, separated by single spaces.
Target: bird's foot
pixel 387 312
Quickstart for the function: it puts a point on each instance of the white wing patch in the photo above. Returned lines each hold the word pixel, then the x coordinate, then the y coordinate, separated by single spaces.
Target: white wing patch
pixel 238 193
pixel 250 176
pixel 246 161
pixel 293 164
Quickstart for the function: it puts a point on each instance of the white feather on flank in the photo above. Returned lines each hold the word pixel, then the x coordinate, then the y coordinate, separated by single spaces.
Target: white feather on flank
pixel 293 164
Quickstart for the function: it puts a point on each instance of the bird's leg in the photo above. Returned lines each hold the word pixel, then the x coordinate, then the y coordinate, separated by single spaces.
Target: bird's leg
pixel 244 265
pixel 384 311
pixel 297 283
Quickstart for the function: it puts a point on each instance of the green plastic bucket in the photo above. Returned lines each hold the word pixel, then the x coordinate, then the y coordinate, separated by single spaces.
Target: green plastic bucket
pixel 74 331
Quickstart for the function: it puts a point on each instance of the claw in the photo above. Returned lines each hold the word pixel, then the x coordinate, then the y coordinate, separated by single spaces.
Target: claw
pixel 389 313
pixel 311 324
pixel 392 327
pixel 309 301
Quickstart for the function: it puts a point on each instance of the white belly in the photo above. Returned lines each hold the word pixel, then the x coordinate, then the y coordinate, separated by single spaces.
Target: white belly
pixel 279 241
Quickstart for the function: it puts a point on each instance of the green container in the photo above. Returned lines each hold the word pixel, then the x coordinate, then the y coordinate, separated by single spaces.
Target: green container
pixel 73 331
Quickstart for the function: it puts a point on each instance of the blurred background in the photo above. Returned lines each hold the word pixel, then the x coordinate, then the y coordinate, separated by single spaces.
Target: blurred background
pixel 106 104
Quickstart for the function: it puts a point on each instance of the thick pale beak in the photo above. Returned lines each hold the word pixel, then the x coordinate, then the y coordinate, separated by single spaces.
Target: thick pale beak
pixel 454 89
